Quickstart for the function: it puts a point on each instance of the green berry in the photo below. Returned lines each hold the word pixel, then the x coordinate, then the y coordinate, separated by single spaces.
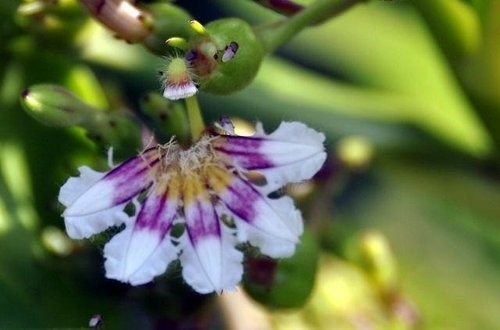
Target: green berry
pixel 227 58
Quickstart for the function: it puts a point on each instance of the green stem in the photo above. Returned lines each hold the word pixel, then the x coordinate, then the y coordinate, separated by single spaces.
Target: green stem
pixel 195 118
pixel 277 33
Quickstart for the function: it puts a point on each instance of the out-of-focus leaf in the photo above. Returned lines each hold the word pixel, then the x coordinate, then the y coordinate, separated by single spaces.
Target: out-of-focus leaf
pixel 397 54
pixel 442 221
pixel 260 103
pixel 455 25
pixel 30 296
pixel 384 46
pixel 343 298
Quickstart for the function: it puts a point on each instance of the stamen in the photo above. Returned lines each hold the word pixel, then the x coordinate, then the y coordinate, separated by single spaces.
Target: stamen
pixel 198 28
pixel 177 42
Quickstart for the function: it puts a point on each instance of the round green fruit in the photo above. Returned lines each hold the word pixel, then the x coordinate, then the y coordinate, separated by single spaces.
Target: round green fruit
pixel 228 57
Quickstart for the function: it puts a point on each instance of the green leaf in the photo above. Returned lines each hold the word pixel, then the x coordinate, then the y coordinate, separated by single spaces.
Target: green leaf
pixel 442 222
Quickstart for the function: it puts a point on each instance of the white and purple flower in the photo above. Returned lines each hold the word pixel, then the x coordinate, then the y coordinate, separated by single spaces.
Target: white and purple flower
pixel 200 187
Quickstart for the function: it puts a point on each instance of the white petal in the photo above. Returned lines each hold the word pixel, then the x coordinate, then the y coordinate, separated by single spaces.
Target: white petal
pixel 99 197
pixel 214 264
pixel 274 225
pixel 86 195
pixel 297 151
pixel 80 227
pixel 75 187
pixel 294 152
pixel 276 228
pixel 144 250
pixel 179 91
pixel 138 258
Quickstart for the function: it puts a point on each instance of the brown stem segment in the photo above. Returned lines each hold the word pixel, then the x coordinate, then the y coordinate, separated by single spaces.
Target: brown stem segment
pixel 285 7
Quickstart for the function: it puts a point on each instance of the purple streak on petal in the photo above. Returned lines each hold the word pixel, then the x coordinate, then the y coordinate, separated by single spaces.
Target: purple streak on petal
pixel 201 221
pixel 157 213
pixel 130 178
pixel 243 200
pixel 240 198
pixel 243 151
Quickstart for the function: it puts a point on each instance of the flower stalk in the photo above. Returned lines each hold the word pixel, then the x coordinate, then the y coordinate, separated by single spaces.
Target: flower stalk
pixel 195 117
pixel 277 33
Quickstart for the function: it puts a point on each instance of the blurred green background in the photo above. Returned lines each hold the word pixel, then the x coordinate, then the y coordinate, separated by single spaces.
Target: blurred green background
pixel 416 84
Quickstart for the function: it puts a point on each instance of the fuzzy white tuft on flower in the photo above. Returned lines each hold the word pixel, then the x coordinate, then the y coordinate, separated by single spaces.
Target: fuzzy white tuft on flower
pixel 198 187
pixel 178 80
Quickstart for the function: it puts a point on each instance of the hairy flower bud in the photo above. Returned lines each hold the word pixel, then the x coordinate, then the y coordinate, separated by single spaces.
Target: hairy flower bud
pixel 177 80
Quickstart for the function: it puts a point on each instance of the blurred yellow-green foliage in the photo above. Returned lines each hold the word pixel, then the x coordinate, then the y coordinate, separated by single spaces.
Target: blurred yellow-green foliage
pixel 407 218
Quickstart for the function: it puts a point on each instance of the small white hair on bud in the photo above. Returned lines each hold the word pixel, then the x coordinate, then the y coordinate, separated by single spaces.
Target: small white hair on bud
pixel 178 80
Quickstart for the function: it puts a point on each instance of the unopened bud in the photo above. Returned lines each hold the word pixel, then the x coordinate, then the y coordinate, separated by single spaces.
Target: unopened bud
pixel 355 152
pixel 168 21
pixel 113 128
pixel 54 105
pixel 168 118
pixel 122 17
pixel 50 20
pixel 379 259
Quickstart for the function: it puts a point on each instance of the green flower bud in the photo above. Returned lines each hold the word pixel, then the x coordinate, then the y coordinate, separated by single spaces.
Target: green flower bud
pixel 167 118
pixel 54 105
pixel 168 21
pixel 51 20
pixel 371 251
pixel 379 260
pixel 355 152
pixel 226 56
pixel 115 129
